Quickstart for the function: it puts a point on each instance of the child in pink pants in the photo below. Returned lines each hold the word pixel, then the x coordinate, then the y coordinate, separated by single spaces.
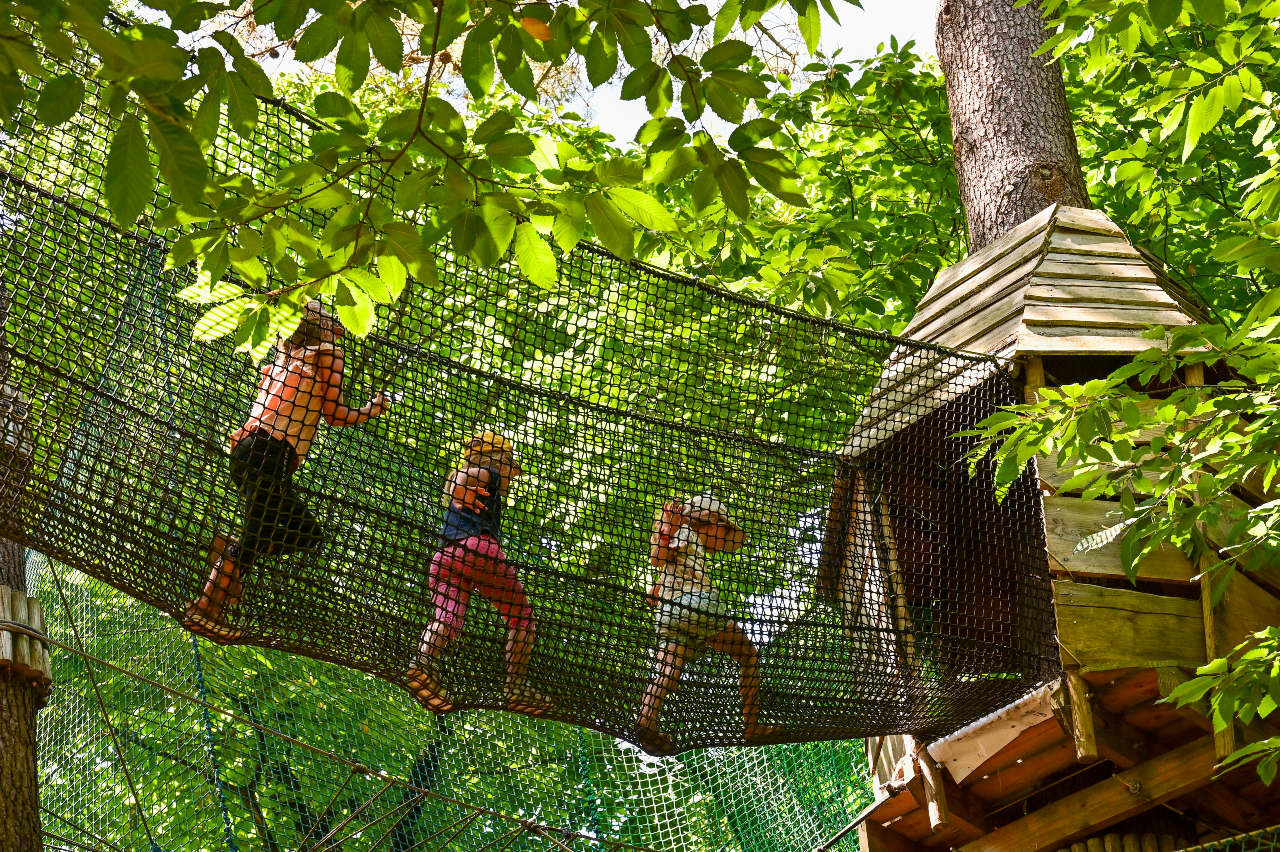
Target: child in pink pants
pixel 472 561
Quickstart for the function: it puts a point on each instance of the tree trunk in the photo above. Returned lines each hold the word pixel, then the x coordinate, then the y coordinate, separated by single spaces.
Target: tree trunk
pixel 1015 150
pixel 19 800
pixel 19 797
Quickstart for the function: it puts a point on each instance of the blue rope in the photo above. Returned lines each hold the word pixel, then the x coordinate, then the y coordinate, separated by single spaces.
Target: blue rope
pixel 213 753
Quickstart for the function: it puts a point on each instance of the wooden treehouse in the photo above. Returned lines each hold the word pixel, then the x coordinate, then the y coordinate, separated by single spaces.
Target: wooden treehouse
pixel 1093 762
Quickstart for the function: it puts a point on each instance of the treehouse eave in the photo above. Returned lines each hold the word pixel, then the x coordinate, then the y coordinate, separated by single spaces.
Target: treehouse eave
pixel 1065 281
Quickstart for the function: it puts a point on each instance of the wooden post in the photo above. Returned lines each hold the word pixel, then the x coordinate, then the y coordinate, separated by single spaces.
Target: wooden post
pixel 1082 729
pixel 931 774
pixel 1225 740
pixel 1034 377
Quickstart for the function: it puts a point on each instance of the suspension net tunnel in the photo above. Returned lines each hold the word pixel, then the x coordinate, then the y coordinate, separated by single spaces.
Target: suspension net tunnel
pixel 824 566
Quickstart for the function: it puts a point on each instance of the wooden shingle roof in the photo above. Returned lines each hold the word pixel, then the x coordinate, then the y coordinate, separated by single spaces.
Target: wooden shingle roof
pixel 1066 280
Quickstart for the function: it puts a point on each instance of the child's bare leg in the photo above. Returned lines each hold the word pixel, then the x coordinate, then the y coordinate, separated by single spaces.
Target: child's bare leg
pixel 520 639
pixel 672 658
pixel 222 591
pixel 521 697
pixel 423 677
pixel 734 641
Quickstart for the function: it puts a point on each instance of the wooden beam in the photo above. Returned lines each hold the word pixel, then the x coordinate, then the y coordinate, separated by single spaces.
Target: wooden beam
pixel 1068 520
pixel 1081 717
pixel 1245 609
pixel 1131 792
pixel 874 837
pixel 967 812
pixel 1116 628
pixel 1220 802
pixel 1122 743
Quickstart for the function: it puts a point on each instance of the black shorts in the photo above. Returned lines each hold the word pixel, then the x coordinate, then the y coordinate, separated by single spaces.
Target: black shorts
pixel 276 519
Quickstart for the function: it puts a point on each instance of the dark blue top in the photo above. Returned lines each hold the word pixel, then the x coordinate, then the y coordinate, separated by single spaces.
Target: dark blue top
pixel 460 524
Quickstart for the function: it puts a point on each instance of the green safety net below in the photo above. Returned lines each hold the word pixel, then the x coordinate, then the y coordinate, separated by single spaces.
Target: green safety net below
pixel 277 775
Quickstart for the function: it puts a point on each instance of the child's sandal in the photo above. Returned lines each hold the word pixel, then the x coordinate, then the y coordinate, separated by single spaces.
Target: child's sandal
pixel 521 698
pixel 424 684
pixel 195 621
pixel 653 741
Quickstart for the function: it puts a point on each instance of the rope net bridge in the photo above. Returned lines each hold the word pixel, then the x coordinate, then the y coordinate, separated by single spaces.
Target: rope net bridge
pixel 822 565
pixel 257 749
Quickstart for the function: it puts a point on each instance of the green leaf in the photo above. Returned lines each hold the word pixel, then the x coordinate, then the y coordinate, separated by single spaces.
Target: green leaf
pixel 536 260
pixel 619 171
pixel 254 76
pixel 773 171
pixel 635 44
pixel 726 18
pixel 493 127
pixel 406 242
pixel 372 285
pixel 643 208
pixel 733 184
pixel 182 165
pixel 353 63
pixel 809 19
pixel 477 64
pixel 453 23
pixel 510 145
pixel 723 101
pixel 1164 13
pixel 220 320
pixel 385 40
pixel 753 132
pixel 129 179
pixel 571 222
pixel 394 276
pixel 726 54
pixel 610 226
pixel 319 40
pixel 242 106
pixel 501 224
pixel 208 120
pixel 355 309
pixel 641 81
pixel 1212 12
pixel 601 59
pixel 60 99
pixel 741 82
pixel 662 134
pixel 1205 112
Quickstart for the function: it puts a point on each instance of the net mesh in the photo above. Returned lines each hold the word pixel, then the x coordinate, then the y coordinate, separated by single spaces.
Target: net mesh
pixel 1264 840
pixel 823 566
pixel 276 774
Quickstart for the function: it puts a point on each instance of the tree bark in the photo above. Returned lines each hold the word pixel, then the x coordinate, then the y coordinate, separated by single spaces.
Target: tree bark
pixel 19 798
pixel 19 795
pixel 1015 149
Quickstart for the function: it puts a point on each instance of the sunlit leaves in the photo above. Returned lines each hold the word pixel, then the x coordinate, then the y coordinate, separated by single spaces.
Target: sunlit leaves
pixel 534 256
pixel 182 163
pixel 60 99
pixel 610 226
pixel 129 179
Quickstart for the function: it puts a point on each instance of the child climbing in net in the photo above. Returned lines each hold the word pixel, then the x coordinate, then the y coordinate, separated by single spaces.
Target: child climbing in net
pixel 472 560
pixel 692 617
pixel 301 387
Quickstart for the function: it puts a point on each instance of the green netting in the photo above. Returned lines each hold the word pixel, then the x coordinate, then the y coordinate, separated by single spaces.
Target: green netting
pixel 208 782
